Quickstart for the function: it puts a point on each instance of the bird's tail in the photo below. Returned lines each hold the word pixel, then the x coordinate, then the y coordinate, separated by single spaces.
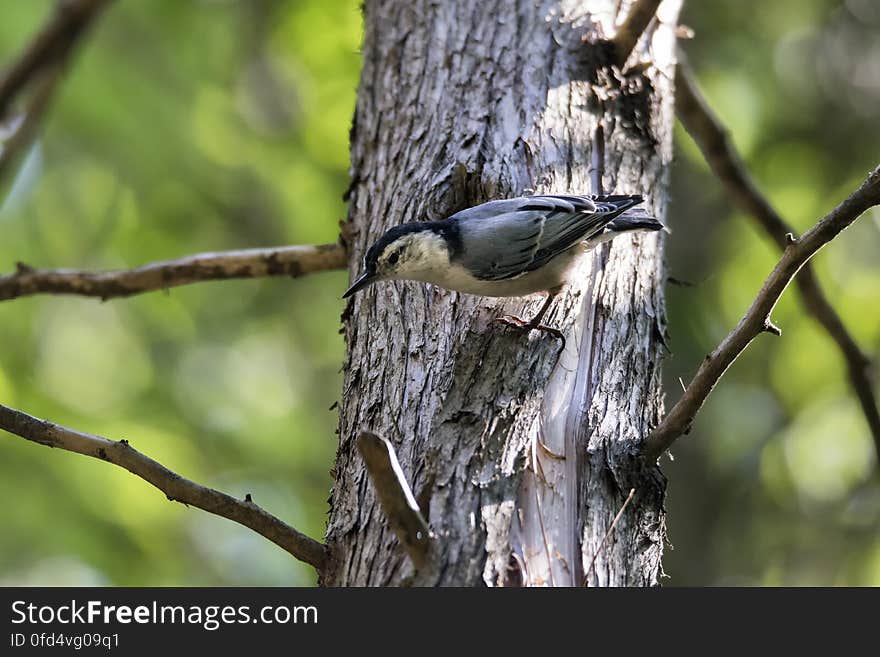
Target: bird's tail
pixel 635 220
pixel 617 202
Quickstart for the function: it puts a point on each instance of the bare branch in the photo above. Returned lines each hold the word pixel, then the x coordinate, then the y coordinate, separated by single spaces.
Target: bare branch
pixel 396 497
pixel 617 517
pixel 26 126
pixel 42 63
pixel 175 487
pixel 248 263
pixel 640 15
pixel 53 43
pixel 714 142
pixel 757 318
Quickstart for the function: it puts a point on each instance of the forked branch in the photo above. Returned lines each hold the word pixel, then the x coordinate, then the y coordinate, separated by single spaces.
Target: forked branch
pixel 757 318
pixel 714 142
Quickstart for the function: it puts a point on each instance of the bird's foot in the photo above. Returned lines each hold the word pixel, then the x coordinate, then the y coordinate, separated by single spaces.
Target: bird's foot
pixel 522 325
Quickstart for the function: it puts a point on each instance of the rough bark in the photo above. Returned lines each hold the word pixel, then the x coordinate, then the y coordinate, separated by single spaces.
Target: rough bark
pixel 519 456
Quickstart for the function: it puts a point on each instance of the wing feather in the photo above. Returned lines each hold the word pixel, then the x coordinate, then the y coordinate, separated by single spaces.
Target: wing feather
pixel 508 238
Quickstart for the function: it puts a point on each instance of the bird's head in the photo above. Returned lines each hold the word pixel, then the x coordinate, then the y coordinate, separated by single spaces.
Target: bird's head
pixel 407 252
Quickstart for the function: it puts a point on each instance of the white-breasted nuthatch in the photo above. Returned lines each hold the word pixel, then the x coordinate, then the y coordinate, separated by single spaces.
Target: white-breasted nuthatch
pixel 506 248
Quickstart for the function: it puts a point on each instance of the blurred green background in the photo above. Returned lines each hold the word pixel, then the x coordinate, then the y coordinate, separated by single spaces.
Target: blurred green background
pixel 218 124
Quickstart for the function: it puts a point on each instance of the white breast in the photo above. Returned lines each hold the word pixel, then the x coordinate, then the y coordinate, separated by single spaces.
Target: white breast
pixel 550 276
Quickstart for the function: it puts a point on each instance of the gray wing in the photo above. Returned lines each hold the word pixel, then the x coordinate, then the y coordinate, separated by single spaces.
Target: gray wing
pixel 506 239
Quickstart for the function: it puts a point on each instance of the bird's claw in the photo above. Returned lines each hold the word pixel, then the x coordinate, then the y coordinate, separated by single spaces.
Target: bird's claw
pixel 511 320
pixel 522 325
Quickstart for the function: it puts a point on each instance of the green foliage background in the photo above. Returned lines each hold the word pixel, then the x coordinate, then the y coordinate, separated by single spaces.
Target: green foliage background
pixel 218 124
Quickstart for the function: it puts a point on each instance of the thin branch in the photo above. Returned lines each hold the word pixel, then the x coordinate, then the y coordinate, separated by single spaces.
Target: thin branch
pixel 714 142
pixel 28 124
pixel 248 263
pixel 42 62
pixel 632 494
pixel 53 43
pixel 640 15
pixel 396 497
pixel 175 487
pixel 757 318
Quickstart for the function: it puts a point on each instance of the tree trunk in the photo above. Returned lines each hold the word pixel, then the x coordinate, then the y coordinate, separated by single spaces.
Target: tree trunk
pixel 519 456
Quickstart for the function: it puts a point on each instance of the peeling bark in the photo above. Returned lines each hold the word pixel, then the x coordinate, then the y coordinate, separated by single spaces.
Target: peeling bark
pixel 520 456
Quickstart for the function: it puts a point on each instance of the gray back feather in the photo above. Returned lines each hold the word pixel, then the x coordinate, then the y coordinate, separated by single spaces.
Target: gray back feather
pixel 508 238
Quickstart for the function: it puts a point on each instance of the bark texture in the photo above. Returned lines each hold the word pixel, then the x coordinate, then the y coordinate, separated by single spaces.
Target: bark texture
pixel 520 456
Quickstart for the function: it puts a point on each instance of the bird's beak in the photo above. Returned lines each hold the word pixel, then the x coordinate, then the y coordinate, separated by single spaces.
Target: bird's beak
pixel 362 281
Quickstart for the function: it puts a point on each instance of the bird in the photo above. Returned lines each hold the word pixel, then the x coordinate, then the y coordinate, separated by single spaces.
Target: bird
pixel 504 248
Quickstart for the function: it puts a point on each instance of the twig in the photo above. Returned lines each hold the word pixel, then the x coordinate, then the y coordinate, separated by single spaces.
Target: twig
pixel 42 62
pixel 52 43
pixel 248 263
pixel 757 318
pixel 28 124
pixel 640 16
pixel 395 496
pixel 175 487
pixel 539 471
pixel 714 142
pixel 632 492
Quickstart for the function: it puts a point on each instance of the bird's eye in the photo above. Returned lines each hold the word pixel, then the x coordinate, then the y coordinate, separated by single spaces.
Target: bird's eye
pixel 393 258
